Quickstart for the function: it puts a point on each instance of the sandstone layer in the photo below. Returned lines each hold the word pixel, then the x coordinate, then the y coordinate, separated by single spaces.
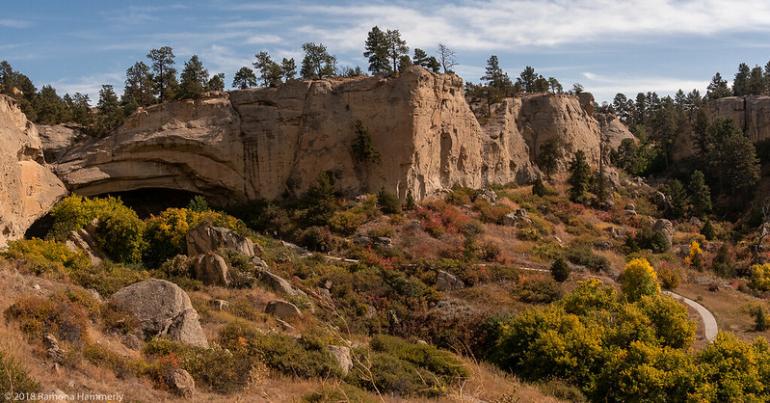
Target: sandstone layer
pixel 267 142
pixel 28 188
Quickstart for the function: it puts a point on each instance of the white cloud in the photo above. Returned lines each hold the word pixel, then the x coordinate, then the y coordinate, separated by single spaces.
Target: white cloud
pixel 263 39
pixel 605 87
pixel 89 85
pixel 14 23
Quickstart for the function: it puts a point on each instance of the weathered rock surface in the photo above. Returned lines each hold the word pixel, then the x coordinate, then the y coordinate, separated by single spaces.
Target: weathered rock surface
pixel 28 188
pixel 447 281
pixel 211 269
pixel 343 357
pixel 283 310
pixel 180 382
pixel 613 130
pixel 163 309
pixel 665 228
pixel 207 238
pixel 84 240
pixel 57 139
pixel 261 143
pixel 278 283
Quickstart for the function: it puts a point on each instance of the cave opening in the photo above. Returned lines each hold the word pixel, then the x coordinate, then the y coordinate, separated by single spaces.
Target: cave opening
pixel 145 202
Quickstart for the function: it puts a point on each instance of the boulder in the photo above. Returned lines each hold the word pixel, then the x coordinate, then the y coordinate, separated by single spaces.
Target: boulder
pixel 343 357
pixel 211 269
pixel 162 309
pixel 666 229
pixel 208 238
pixel 180 382
pixel 517 217
pixel 446 281
pixel 84 240
pixel 283 310
pixel 487 195
pixel 278 283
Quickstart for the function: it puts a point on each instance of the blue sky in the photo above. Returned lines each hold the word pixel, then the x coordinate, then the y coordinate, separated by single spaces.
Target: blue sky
pixel 608 46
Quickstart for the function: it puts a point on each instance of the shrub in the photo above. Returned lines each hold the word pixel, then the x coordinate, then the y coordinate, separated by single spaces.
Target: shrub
pixel 38 316
pixel 318 239
pixel 388 202
pixel 14 379
pixel 303 358
pixel 560 270
pixel 440 362
pixel 122 366
pixel 542 291
pixel 217 368
pixel 119 233
pixel 108 278
pixel 760 277
pixel 339 393
pixel 584 256
pixel 385 373
pixel 639 279
pixel 43 256
pixel 695 256
pixel 491 213
pixel 708 231
pixel 346 222
pixel 669 277
pixel 198 203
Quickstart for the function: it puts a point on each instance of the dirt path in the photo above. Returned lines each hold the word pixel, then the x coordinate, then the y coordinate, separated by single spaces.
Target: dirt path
pixel 709 322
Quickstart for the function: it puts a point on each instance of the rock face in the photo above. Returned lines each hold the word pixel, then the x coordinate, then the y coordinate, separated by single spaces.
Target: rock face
pixel 163 309
pixel 57 139
pixel 262 143
pixel 84 239
pixel 28 188
pixel 207 238
pixel 613 130
pixel 211 268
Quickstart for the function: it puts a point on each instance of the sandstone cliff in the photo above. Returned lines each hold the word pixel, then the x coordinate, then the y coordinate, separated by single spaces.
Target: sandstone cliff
pixel 28 188
pixel 261 143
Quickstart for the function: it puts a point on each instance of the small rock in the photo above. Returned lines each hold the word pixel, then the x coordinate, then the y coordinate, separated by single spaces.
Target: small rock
pixel 286 326
pixel 283 310
pixel 362 240
pixel 328 284
pixel 342 356
pixel 487 195
pixel 695 221
pixel 54 351
pixel 446 281
pixel 519 216
pixel 383 241
pixel 36 287
pixel 180 382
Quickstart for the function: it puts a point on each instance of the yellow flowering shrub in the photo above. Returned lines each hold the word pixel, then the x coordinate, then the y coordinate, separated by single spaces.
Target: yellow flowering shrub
pixel 639 279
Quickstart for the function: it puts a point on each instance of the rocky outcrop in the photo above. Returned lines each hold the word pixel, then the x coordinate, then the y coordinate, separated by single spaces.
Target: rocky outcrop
pixel 206 238
pixel 613 131
pixel 28 188
pixel 211 268
pixel 265 142
pixel 162 309
pixel 57 139
pixel 84 240
pixel 283 310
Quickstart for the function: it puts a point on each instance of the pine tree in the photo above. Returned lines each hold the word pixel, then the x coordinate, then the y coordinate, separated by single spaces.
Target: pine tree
pixel 244 78
pixel 718 88
pixel 560 270
pixel 679 200
pixel 741 81
pixel 81 109
pixel 139 86
pixel 110 114
pixel 269 71
pixel 700 194
pixel 49 106
pixel 555 86
pixel 396 47
pixel 497 79
pixel 195 79
pixel 164 72
pixel 708 231
pixel 317 63
pixel 217 82
pixel 580 177
pixel 528 79
pixel 422 59
pixel 548 157
pixel 288 69
pixel 377 51
pixel 732 160
pixel 756 82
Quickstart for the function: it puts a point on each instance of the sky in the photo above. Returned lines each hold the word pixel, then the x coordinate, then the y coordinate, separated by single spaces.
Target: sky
pixel 608 46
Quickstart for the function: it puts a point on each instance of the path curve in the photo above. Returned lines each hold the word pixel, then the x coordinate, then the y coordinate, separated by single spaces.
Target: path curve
pixel 709 322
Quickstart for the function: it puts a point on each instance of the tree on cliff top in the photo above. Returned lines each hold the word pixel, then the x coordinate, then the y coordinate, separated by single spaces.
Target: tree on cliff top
pixel 741 81
pixel 244 78
pixel 421 58
pixel 139 86
pixel 269 71
pixel 317 63
pixel 165 73
pixel 288 69
pixel 718 88
pixel 497 80
pixel 217 82
pixel 446 58
pixel 377 51
pixel 396 48
pixel 195 79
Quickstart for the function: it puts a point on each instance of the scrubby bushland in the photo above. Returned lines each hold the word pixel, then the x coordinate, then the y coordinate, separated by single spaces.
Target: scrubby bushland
pixel 14 379
pixel 46 257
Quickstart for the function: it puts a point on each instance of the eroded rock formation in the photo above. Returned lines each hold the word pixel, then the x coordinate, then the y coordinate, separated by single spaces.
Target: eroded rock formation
pixel 28 188
pixel 263 143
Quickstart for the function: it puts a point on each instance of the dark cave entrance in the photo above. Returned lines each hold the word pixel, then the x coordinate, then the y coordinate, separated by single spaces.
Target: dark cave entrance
pixel 144 201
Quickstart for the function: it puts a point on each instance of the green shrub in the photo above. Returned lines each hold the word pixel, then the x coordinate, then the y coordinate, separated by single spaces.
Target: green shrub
pixel 303 358
pixel 43 256
pixel 198 203
pixel 560 270
pixel 119 233
pixel 318 239
pixel 108 278
pixel 440 362
pixel 385 373
pixel 539 291
pixel 122 366
pixel 339 393
pixel 388 202
pixel 14 379
pixel 219 369
pixel 583 255
pixel 38 316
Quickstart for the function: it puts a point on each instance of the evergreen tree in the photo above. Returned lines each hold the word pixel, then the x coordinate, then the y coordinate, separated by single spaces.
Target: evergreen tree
pixel 756 82
pixel 317 63
pixel 580 177
pixel 679 200
pixel 560 270
pixel 623 107
pixel 741 81
pixel 528 79
pixel 49 106
pixel 497 79
pixel 244 78
pixel 422 59
pixel 217 82
pixel 110 114
pixel 396 47
pixel 555 86
pixel 411 204
pixel 377 48
pixel 548 157
pixel 20 87
pixel 139 86
pixel 164 72
pixel 269 71
pixel 718 88
pixel 195 79
pixel 288 69
pixel 732 160
pixel 767 78
pixel 708 231
pixel 363 146
pixel 81 109
pixel 700 194
pixel 538 187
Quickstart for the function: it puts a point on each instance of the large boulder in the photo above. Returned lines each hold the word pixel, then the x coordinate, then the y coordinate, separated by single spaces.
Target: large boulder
pixel 28 188
pixel 211 269
pixel 283 310
pixel 665 229
pixel 446 281
pixel 180 382
pixel 207 238
pixel 163 309
pixel 278 283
